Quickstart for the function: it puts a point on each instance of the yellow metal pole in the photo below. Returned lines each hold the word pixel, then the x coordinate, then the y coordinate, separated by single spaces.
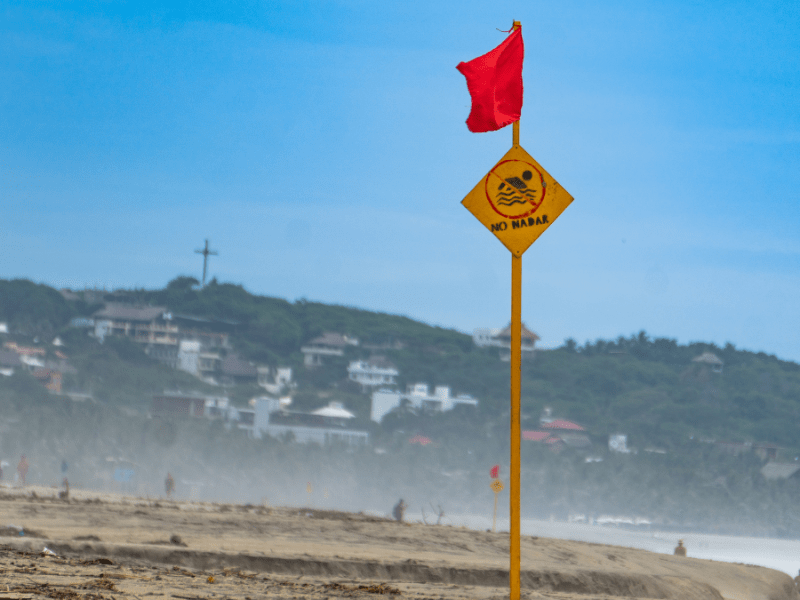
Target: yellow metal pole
pixel 494 514
pixel 516 431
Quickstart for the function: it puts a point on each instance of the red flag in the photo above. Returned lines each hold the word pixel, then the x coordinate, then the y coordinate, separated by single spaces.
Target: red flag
pixel 495 472
pixel 494 81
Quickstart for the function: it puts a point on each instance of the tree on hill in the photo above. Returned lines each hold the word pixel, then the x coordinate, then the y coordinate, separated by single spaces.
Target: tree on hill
pixel 33 309
pixel 182 283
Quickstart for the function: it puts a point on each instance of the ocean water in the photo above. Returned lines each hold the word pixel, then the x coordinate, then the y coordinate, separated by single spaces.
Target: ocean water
pixel 778 554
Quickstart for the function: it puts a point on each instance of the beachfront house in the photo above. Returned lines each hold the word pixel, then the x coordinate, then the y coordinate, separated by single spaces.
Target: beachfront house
pixel 419 397
pixel 327 425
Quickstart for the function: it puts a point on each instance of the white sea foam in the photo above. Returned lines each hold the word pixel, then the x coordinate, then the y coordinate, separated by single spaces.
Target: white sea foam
pixel 779 554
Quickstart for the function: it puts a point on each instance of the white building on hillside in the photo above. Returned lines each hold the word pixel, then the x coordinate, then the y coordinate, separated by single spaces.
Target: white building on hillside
pixel 327 425
pixel 501 338
pixel 328 344
pixel 710 359
pixel 618 442
pixel 419 397
pixel 189 356
pixel 275 380
pixel 372 372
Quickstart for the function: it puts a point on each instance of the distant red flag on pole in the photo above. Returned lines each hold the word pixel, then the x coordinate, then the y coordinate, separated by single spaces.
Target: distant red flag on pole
pixel 495 472
pixel 494 81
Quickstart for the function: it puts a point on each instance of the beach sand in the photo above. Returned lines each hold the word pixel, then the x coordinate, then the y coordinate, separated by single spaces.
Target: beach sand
pixel 107 546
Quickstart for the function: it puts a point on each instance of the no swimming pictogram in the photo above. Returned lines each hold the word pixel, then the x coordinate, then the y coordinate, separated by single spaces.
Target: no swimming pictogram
pixel 517 200
pixel 515 188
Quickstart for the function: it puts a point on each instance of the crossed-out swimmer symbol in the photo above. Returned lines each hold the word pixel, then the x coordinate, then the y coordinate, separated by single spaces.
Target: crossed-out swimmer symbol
pixel 516 194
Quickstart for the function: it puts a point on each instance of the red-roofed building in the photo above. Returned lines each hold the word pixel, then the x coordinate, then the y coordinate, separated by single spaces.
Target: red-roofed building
pixel 421 440
pixel 25 350
pixel 555 443
pixel 560 437
pixel 563 425
pixel 49 378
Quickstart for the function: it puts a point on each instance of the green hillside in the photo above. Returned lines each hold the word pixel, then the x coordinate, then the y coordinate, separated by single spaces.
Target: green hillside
pixel 648 388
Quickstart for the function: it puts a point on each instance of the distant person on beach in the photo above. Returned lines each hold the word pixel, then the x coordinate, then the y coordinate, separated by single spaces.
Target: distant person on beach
pixel 22 469
pixel 399 510
pixel 680 549
pixel 169 484
pixel 64 494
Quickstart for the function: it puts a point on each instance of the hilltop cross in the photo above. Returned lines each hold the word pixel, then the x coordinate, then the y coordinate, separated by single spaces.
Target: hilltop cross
pixel 206 253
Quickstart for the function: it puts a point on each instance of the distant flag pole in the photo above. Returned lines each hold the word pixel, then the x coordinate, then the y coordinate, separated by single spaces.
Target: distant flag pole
pixel 497 487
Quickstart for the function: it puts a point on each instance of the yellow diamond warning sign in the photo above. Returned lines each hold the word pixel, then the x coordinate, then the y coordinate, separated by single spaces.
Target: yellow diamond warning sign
pixel 517 200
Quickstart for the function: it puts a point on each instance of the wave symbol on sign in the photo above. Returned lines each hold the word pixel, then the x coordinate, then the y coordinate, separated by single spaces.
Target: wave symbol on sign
pixel 514 190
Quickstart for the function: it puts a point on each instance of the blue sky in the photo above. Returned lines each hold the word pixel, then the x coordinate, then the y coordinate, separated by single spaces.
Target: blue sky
pixel 321 147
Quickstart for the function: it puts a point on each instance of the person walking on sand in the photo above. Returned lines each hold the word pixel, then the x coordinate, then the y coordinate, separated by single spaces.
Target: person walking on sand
pixel 64 495
pixel 169 484
pixel 399 511
pixel 680 549
pixel 22 469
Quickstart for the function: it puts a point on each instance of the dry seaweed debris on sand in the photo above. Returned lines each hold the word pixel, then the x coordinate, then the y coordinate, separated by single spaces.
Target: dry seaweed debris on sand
pixel 97 561
pixel 375 588
pixel 228 571
pixel 103 583
pixel 55 592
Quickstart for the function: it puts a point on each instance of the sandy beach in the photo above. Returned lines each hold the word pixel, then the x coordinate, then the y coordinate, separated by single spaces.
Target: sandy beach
pixel 101 546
